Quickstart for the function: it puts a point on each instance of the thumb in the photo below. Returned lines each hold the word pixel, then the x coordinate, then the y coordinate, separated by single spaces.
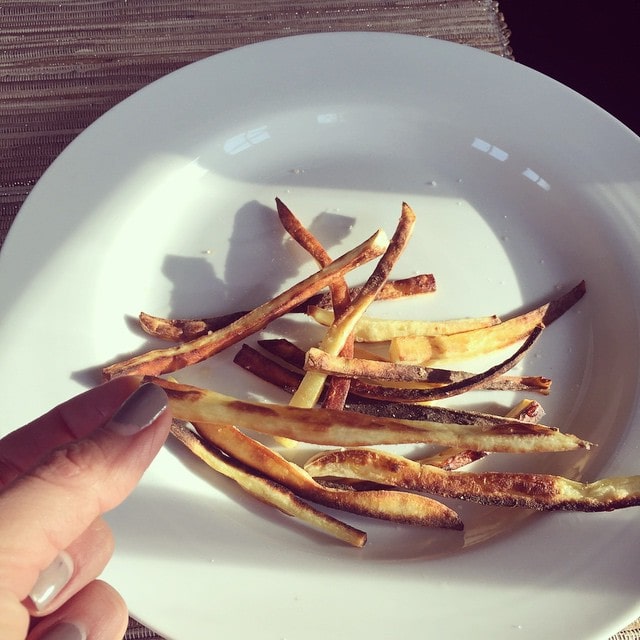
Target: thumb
pixel 46 509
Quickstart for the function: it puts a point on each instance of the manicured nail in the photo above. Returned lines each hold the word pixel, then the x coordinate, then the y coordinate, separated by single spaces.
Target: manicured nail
pixel 51 581
pixel 139 410
pixel 64 631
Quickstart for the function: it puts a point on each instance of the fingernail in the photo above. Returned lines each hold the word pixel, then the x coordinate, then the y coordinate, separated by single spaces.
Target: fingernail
pixel 64 631
pixel 139 410
pixel 51 581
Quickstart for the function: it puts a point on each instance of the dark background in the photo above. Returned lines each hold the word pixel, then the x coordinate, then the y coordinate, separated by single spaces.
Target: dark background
pixel 592 47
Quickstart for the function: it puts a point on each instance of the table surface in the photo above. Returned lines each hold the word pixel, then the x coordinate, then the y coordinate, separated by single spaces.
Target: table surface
pixel 62 65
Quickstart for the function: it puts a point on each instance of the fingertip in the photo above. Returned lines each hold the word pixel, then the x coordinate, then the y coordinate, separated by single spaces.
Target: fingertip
pixel 97 612
pixel 139 411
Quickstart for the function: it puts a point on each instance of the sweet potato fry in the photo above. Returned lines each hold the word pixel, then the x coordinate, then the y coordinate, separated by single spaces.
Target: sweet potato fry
pixel 337 389
pixel 309 390
pixel 161 361
pixel 266 490
pixel 451 459
pixel 350 429
pixel 370 329
pixel 295 356
pixel 377 370
pixel 530 490
pixel 430 349
pixel 394 506
pixel 183 329
pixel 475 381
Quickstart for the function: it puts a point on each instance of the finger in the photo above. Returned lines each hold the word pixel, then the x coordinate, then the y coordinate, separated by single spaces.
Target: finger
pixel 72 420
pixel 82 562
pixel 44 511
pixel 97 612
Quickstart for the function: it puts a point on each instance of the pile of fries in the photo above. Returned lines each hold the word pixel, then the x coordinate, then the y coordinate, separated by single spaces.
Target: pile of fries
pixel 352 400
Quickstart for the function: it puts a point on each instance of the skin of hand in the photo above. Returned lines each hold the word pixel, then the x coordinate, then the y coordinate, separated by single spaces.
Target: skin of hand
pixel 58 475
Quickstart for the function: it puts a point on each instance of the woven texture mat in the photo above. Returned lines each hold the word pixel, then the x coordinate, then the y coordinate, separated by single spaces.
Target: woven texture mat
pixel 63 64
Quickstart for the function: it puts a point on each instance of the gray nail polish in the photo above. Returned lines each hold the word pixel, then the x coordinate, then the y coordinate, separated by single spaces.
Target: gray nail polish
pixel 139 410
pixel 51 581
pixel 64 631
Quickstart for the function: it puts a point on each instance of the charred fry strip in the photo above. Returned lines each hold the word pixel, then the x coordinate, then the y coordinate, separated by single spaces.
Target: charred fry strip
pixel 286 379
pixel 337 389
pixel 370 329
pixel 423 349
pixel 350 429
pixel 451 459
pixel 529 490
pixel 293 355
pixel 161 361
pixel 395 506
pixel 310 388
pixel 184 329
pixel 319 360
pixel 267 490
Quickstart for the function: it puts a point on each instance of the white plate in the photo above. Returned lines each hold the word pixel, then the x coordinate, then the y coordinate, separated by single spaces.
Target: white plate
pixel 166 204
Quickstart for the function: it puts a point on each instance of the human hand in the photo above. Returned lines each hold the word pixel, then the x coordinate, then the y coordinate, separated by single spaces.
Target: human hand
pixel 58 475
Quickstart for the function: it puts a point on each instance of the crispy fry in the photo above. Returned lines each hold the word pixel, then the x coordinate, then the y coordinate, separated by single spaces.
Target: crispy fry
pixel 295 356
pixel 451 459
pixel 267 490
pixel 319 360
pixel 350 429
pixel 183 329
pixel 423 349
pixel 530 490
pixel 161 361
pixel 475 381
pixel 337 389
pixel 395 506
pixel 370 329
pixel 309 390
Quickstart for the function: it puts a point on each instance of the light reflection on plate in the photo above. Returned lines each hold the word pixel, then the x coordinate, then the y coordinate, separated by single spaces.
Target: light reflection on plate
pixel 522 188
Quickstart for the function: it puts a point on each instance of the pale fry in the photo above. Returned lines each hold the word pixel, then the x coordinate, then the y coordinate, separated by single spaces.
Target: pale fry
pixel 350 429
pixel 430 349
pixel 266 490
pixel 529 490
pixel 394 506
pixel 336 389
pixel 370 329
pixel 161 361
pixel 309 390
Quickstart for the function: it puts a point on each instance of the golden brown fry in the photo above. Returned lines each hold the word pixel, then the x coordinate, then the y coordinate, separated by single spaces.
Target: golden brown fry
pixel 530 490
pixel 309 390
pixel 451 459
pixel 183 329
pixel 350 429
pixel 180 330
pixel 395 506
pixel 370 329
pixel 161 361
pixel 423 349
pixel 337 389
pixel 475 381
pixel 266 490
